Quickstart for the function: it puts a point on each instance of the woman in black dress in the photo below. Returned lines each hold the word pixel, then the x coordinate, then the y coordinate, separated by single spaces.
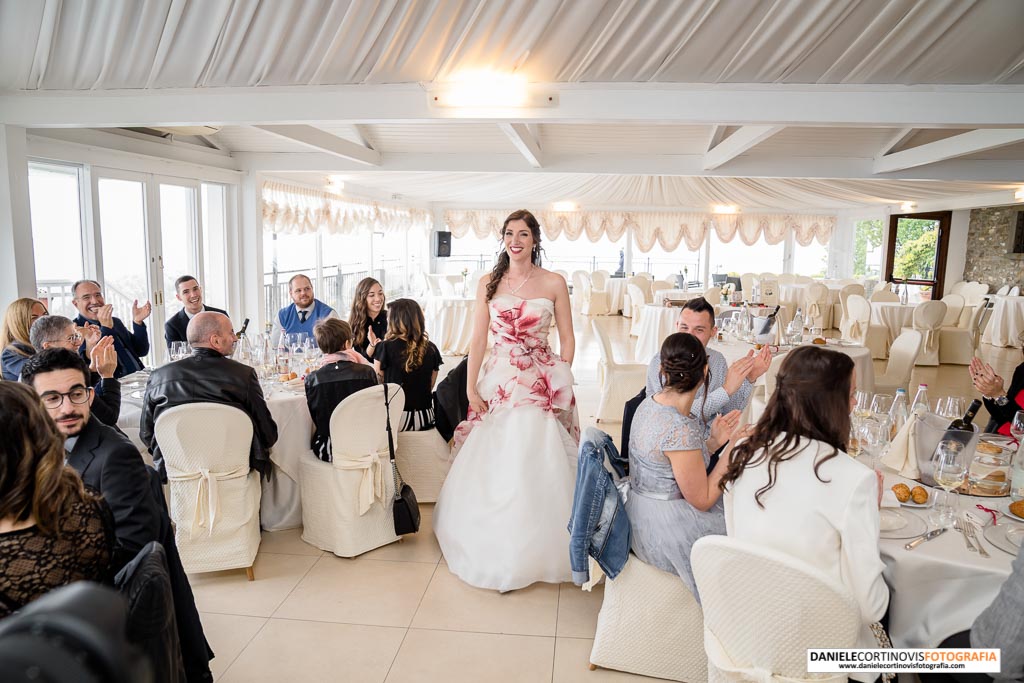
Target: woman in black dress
pixel 368 318
pixel 408 357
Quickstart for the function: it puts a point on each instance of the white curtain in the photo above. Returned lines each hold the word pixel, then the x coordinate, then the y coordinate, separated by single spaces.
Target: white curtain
pixel 297 210
pixel 667 228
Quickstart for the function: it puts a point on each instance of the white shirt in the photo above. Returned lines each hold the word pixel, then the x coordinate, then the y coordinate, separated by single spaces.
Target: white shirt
pixel 275 335
pixel 832 526
pixel 192 315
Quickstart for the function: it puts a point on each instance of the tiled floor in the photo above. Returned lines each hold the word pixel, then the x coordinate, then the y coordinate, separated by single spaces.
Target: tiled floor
pixel 397 614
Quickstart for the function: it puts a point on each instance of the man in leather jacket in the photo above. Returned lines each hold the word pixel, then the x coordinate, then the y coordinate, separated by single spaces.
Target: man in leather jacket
pixel 209 376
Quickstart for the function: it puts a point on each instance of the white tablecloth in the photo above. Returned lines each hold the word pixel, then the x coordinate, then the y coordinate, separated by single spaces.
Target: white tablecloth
pixel 862 364
pixel 893 315
pixel 616 289
pixel 656 323
pixel 939 588
pixel 795 295
pixel 446 285
pixel 450 324
pixel 1007 322
pixel 680 294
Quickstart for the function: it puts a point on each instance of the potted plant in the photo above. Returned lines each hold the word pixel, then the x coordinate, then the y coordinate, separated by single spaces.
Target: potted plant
pixel 925 293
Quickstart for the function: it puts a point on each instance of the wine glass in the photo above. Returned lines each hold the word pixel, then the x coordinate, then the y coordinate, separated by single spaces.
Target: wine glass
pixel 863 406
pixel 881 403
pixel 950 471
pixel 1017 426
pixel 873 439
pixel 179 350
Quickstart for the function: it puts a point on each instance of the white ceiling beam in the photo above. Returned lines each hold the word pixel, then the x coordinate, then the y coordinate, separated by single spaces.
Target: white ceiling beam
pixel 971 201
pixel 326 142
pixel 716 137
pixel 525 141
pixel 702 104
pixel 737 143
pixel 139 144
pixel 639 164
pixel 897 141
pixel 950 148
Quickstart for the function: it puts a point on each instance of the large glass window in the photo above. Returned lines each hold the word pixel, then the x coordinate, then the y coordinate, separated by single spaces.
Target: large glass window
pixel 736 258
pixel 285 256
pixel 178 233
pixel 346 261
pixel 215 261
pixel 811 260
pixel 56 210
pixel 668 264
pixel 470 253
pixel 122 213
pixel 867 249
pixel 582 254
pixel 917 250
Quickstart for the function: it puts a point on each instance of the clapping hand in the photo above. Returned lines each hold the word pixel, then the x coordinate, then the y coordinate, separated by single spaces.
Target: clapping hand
pixel 105 316
pixel 762 361
pixel 738 372
pixel 92 334
pixel 374 339
pixel 140 313
pixel 104 358
pixel 723 429
pixel 985 379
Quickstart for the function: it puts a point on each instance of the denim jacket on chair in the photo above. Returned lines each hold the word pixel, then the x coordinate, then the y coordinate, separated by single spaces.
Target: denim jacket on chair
pixel 598 526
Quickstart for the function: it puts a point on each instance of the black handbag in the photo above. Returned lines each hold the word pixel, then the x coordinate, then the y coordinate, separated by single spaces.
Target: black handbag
pixel 406 509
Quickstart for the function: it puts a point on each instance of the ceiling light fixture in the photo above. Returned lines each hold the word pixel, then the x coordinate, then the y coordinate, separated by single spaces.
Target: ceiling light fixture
pixel 908 206
pixel 725 208
pixel 483 88
pixel 564 206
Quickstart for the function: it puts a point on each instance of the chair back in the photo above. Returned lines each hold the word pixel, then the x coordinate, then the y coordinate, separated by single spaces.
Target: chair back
pixel 787 278
pixel 885 296
pixel 713 295
pixel 1014 291
pixel 209 436
pixel 434 284
pixel 604 344
pixel 902 357
pixel 847 290
pixel 359 423
pixel 803 280
pixel 644 274
pixel 954 307
pixel 579 277
pixel 643 284
pixel 974 293
pixel 929 315
pixel 636 298
pixel 846 281
pixel 1003 291
pixel 957 288
pixel 884 287
pixel 657 286
pixel 473 281
pixel 599 280
pixel 747 284
pixel 719 279
pixel 858 313
pixel 751 633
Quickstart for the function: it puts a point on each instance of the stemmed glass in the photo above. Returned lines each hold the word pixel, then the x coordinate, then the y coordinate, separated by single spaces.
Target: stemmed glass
pixel 881 404
pixel 1017 426
pixel 863 405
pixel 874 437
pixel 179 350
pixel 950 470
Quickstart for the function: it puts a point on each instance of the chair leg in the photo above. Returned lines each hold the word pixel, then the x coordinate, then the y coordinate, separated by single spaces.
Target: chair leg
pixel 249 574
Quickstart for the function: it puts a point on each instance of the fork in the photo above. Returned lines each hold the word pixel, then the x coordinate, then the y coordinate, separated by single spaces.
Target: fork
pixel 960 526
pixel 974 534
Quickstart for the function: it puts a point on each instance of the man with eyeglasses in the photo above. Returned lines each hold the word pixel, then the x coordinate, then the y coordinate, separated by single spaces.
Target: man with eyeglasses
pixel 57 332
pixel 130 346
pixel 111 465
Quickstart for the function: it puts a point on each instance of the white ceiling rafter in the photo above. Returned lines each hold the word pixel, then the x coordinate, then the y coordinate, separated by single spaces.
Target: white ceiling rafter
pixel 896 142
pixel 716 137
pixel 950 148
pixel 736 144
pixel 524 140
pixel 326 142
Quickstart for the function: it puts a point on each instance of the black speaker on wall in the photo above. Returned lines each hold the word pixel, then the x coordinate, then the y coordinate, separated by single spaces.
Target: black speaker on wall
pixel 443 244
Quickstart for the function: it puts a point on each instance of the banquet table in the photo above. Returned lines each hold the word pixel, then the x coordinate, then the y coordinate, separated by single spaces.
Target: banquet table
pixel 939 588
pixel 893 315
pixel 1006 323
pixel 616 289
pixel 863 366
pixel 449 322
pixel 447 285
pixel 795 295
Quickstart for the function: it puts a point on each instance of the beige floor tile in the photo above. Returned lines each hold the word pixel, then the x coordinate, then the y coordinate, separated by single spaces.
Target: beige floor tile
pixel 577 610
pixel 370 592
pixel 231 593
pixel 572 665
pixel 455 657
pixel 451 604
pixel 419 547
pixel 228 635
pixel 287 542
pixel 307 651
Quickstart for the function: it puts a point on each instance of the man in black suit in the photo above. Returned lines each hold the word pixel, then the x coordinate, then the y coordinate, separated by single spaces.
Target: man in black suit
pixel 209 376
pixel 110 464
pixel 190 294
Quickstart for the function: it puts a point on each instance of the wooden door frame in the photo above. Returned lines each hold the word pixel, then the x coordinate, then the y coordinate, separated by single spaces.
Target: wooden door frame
pixel 945 219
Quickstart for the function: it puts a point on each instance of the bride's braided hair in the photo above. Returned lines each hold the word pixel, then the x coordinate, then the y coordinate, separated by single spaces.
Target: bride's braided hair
pixel 683 359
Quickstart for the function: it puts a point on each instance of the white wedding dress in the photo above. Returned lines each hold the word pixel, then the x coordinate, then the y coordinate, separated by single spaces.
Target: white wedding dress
pixel 502 514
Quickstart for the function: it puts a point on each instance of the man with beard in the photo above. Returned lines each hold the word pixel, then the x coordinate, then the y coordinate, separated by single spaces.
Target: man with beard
pixel 190 294
pixel 130 346
pixel 303 312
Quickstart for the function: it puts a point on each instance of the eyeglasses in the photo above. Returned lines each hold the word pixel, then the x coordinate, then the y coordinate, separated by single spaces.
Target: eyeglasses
pixel 75 338
pixel 77 395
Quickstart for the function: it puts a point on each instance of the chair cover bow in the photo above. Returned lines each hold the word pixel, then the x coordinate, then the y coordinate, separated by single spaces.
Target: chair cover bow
pixel 371 486
pixel 721 660
pixel 207 506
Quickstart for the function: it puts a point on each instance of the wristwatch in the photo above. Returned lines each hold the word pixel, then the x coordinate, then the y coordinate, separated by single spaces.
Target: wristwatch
pixel 998 400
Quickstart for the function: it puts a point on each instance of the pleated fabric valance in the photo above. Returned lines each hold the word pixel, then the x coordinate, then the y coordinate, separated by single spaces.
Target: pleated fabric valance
pixel 296 210
pixel 666 228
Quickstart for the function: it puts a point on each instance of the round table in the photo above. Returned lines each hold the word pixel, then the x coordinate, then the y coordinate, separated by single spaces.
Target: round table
pixel 893 315
pixel 1007 322
pixel 616 289
pixel 656 323
pixel 795 295
pixel 863 366
pixel 449 322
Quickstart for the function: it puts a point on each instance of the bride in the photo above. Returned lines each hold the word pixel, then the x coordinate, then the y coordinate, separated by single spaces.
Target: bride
pixel 501 516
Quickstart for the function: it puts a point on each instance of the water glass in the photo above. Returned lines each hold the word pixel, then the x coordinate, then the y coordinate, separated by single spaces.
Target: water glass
pixel 950 471
pixel 881 404
pixel 1017 425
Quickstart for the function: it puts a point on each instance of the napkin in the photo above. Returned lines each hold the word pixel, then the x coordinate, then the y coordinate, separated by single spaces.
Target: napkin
pixel 902 454
pixel 889 499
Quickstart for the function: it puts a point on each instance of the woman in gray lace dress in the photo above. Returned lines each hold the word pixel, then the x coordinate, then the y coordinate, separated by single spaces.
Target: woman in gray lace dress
pixel 674 497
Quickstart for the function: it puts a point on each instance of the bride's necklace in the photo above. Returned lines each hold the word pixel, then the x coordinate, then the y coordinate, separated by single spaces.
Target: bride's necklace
pixel 514 290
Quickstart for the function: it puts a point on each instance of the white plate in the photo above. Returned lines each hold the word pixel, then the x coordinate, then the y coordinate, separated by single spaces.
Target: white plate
pixel 932 493
pixel 913 525
pixel 1011 515
pixel 997 536
pixel 891 519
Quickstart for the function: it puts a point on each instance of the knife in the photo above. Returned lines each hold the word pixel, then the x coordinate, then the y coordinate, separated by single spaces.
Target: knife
pixel 927 537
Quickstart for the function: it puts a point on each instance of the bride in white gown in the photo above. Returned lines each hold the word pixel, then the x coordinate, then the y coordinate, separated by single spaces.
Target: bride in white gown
pixel 501 516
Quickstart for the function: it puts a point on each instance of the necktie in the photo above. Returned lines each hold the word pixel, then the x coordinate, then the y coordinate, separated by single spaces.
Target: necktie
pixel 302 316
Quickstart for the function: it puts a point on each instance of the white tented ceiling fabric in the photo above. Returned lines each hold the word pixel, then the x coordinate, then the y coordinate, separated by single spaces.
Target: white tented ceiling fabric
pixel 49 44
pixel 297 210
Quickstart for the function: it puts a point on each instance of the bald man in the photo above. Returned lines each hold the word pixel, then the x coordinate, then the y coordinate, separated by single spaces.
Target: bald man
pixel 209 376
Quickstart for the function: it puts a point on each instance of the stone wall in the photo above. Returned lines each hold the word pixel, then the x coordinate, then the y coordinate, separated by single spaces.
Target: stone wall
pixel 988 241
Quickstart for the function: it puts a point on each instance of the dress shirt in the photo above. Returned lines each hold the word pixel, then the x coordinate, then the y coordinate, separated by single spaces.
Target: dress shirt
pixel 719 401
pixel 275 335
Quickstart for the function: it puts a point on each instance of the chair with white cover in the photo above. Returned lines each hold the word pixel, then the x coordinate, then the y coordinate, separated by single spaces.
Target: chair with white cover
pixel 1014 291
pixel 593 302
pixel 1003 291
pixel 902 356
pixel 818 310
pixel 619 381
pixel 578 278
pixel 787 279
pixel 928 317
pixel 763 610
pixel 747 284
pixel 473 281
pixel 954 308
pixel 974 293
pixel 850 281
pixel 599 280
pixel 844 295
pixel 644 274
pixel 637 301
pixel 713 295
pixel 423 459
pixel 957 345
pixel 650 625
pixel 659 286
pixel 858 326
pixel 215 497
pixel 347 505
pixel 803 280
pixel 958 287
pixel 885 296
pixel 628 302
pixel 434 285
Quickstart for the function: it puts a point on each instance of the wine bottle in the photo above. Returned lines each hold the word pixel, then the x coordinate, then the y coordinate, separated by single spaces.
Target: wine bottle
pixel 965 423
pixel 245 326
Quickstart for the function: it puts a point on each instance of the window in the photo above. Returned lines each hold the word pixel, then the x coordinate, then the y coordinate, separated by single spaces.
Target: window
pixel 916 251
pixel 122 214
pixel 736 258
pixel 215 261
pixel 470 252
pixel 667 264
pixel 178 233
pixel 56 210
pixel 867 249
pixel 811 260
pixel 582 254
pixel 285 256
pixel 346 261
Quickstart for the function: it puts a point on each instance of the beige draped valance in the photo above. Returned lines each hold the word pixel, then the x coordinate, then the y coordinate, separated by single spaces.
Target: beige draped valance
pixel 297 210
pixel 668 228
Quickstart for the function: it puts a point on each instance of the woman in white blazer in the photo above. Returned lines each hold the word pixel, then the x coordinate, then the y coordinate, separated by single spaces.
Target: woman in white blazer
pixel 792 487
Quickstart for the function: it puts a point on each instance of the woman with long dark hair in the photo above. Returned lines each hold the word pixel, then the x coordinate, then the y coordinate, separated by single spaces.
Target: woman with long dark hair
pixel 52 531
pixel 368 319
pixel 500 517
pixel 674 494
pixel 407 357
pixel 791 486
